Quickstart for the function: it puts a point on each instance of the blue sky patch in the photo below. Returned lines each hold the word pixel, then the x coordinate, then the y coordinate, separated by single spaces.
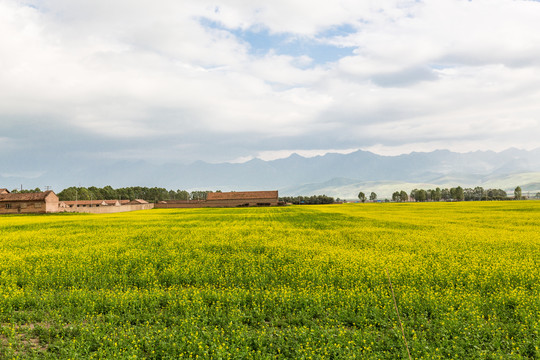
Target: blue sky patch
pixel 261 41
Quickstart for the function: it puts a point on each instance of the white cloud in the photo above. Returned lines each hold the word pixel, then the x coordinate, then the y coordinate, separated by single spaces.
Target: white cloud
pixel 423 75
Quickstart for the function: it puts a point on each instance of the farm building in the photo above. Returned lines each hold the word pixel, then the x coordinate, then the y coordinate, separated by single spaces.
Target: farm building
pixel 225 199
pixel 93 203
pixel 84 203
pixel 28 203
pixel 4 191
pixel 242 198
pixel 104 206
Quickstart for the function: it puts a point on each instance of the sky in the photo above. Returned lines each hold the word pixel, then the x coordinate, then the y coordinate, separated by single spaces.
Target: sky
pixel 232 80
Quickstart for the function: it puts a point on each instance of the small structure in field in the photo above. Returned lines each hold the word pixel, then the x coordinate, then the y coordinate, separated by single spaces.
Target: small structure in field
pixel 242 198
pixel 70 204
pixel 4 191
pixel 28 203
pixel 83 203
pixel 104 206
pixel 225 199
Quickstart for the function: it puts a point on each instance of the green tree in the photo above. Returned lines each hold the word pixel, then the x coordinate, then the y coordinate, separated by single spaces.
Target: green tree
pixel 457 193
pixel 517 193
pixel 396 197
pixel 479 193
pixel 372 196
pixel 362 196
pixel 436 194
pixel 496 194
pixel 460 195
pixel 68 194
pixel 95 193
pixel 403 196
pixel 182 195
pixel 109 193
pixel 83 194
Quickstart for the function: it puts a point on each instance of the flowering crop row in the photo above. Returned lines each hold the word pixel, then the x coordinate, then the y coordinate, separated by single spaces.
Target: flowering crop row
pixel 262 283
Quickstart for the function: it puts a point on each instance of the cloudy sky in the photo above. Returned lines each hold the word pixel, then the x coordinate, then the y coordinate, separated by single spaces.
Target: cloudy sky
pixel 230 80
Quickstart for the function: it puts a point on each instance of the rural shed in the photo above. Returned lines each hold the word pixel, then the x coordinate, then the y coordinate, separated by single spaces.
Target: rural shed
pixel 29 203
pixel 242 198
pixel 4 191
pixel 86 203
pixel 71 204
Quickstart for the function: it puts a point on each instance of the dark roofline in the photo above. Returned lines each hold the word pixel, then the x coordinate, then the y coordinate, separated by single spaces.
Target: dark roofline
pixel 242 195
pixel 18 197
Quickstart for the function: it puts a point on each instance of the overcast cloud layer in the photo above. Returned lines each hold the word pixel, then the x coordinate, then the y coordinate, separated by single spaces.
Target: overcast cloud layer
pixel 234 79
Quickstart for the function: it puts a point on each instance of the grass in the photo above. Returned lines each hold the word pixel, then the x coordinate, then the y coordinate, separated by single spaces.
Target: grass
pixel 262 283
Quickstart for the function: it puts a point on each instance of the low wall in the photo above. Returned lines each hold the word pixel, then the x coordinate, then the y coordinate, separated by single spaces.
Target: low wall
pixel 175 204
pixel 14 211
pixel 107 209
pixel 241 202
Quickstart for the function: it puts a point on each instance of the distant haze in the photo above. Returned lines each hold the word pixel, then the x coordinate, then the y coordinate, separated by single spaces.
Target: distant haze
pixel 338 175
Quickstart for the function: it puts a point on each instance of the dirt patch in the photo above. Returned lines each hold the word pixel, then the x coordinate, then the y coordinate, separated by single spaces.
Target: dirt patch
pixel 31 326
pixel 43 325
pixel 23 342
pixel 32 343
pixel 4 342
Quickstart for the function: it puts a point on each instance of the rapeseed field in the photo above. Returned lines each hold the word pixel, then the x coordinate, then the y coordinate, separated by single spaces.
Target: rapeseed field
pixel 299 282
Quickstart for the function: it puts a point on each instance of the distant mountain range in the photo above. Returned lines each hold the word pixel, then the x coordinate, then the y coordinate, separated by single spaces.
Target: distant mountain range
pixel 338 175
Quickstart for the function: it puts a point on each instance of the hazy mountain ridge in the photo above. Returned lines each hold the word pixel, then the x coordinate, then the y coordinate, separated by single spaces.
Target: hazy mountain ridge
pixel 333 174
pixel 384 189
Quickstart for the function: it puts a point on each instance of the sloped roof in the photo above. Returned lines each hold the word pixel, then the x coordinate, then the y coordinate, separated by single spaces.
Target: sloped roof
pixel 138 201
pixel 40 196
pixel 4 191
pixel 242 195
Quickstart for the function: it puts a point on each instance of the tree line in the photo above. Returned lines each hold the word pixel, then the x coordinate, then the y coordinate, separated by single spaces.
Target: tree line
pixel 452 194
pixel 25 191
pixel 307 200
pixel 362 197
pixel 456 194
pixel 153 194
